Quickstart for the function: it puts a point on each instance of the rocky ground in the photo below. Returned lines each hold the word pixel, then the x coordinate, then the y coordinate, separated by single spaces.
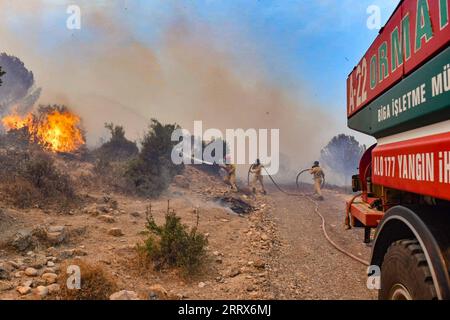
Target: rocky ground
pixel 34 244
pixel 275 252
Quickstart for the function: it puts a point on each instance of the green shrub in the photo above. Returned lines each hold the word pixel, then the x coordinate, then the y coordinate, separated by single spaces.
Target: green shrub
pixel 152 171
pixel 174 244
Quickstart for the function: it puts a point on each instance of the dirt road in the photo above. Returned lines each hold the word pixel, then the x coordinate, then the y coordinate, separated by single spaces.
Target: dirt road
pixel 305 265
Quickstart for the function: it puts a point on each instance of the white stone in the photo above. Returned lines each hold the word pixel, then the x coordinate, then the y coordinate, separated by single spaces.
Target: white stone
pixel 31 272
pixel 42 291
pixel 124 295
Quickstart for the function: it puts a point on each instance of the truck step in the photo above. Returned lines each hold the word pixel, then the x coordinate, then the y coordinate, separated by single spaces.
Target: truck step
pixel 364 214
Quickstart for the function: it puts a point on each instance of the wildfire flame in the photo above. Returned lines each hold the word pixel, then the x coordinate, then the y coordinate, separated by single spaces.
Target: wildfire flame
pixel 14 121
pixel 55 130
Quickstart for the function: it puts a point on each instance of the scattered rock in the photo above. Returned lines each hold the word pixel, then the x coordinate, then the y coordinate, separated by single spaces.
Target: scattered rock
pixel 56 235
pixel 23 290
pixel 28 283
pixel 31 272
pixel 201 285
pixel 42 291
pixel 14 264
pixel 107 218
pixel 50 264
pixel 124 295
pixel 66 254
pixel 260 264
pixel 22 241
pixel 39 261
pixel 181 181
pixel 102 208
pixel 234 272
pixel 53 288
pixel 158 292
pixel 79 252
pixel 251 288
pixel 116 232
pixel 49 278
pixel 4 273
pixel 5 286
pixel 135 214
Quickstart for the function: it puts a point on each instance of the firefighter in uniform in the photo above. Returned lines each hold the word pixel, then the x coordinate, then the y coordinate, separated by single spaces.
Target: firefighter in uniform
pixel 230 177
pixel 256 169
pixel 318 177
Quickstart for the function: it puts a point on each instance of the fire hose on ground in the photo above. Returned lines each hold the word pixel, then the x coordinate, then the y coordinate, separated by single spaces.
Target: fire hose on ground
pixel 316 210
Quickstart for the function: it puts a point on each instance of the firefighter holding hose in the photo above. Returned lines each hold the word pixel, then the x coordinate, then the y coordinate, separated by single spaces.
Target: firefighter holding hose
pixel 318 177
pixel 256 169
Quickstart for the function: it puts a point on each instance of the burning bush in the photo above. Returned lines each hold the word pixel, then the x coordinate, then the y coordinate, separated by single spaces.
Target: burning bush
pixel 118 148
pixel 152 171
pixel 96 283
pixel 55 128
pixel 174 245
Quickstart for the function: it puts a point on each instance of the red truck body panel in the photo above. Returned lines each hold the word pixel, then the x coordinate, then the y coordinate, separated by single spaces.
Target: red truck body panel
pixel 378 71
pixel 420 165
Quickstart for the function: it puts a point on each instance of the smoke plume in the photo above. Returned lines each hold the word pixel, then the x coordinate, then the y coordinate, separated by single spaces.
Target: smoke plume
pixel 107 72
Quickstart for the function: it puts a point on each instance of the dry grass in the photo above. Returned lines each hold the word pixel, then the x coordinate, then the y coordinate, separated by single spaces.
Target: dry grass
pixel 32 179
pixel 96 283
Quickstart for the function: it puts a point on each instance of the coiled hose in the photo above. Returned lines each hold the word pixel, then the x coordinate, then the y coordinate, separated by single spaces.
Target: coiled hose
pixel 316 210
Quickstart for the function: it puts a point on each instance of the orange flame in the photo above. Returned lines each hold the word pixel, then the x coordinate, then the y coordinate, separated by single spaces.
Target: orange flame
pixel 56 131
pixel 15 121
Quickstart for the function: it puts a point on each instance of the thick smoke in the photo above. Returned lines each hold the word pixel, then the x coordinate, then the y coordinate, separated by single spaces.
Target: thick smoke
pixel 185 76
pixel 18 92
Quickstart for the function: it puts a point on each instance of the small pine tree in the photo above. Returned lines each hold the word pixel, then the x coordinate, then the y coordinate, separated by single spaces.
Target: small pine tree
pixel 342 154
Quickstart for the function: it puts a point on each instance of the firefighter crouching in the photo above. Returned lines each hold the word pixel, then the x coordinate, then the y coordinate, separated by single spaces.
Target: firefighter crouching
pixel 256 169
pixel 318 177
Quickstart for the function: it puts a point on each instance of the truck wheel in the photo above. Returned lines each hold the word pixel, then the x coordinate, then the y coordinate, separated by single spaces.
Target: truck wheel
pixel 405 274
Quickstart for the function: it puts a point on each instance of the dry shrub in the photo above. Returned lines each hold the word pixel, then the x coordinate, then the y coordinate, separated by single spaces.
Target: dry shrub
pixel 118 148
pixel 96 283
pixel 21 193
pixel 31 178
pixel 173 245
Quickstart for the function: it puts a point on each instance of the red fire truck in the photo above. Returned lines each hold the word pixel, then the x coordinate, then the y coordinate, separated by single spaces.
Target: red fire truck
pixel 399 93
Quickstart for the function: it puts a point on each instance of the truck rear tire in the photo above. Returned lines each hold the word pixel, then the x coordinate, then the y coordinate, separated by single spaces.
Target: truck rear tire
pixel 405 274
